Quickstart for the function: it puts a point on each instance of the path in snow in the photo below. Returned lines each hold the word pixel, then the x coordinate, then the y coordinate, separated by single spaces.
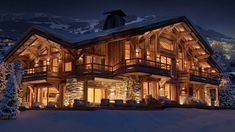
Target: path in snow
pixel 122 121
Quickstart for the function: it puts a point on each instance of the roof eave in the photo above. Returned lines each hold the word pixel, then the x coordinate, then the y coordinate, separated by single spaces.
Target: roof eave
pixel 34 30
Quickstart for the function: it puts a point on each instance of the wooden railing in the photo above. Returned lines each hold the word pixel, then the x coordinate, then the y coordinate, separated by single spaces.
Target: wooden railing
pixel 120 67
pixel 204 76
pixel 39 72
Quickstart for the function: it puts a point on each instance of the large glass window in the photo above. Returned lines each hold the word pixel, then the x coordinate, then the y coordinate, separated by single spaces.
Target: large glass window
pixel 169 91
pixel 165 62
pixel 148 89
pixel 46 95
pixel 95 95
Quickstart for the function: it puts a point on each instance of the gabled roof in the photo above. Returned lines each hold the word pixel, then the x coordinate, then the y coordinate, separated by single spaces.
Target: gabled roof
pixel 74 41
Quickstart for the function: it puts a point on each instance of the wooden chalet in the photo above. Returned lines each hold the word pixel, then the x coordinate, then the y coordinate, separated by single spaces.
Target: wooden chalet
pixel 159 57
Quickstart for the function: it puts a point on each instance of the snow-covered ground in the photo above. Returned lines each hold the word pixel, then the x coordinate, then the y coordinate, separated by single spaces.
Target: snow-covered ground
pixel 193 120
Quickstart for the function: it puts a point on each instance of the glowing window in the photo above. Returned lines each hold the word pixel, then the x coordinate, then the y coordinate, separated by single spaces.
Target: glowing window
pixel 68 66
pixel 148 89
pixel 55 65
pixel 127 51
pixel 94 95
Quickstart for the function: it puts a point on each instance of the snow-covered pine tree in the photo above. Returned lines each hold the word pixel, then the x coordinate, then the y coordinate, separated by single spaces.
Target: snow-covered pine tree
pixel 225 91
pixel 3 76
pixel 18 73
pixel 9 103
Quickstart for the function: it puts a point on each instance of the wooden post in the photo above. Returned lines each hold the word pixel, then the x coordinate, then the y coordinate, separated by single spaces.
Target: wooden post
pixel 47 94
pixel 85 98
pixel 217 96
pixel 61 88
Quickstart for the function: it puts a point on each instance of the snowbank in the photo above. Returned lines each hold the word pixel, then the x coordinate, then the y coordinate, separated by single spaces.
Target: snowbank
pixel 122 121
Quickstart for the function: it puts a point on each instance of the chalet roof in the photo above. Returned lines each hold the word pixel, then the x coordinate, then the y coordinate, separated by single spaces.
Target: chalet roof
pixel 75 41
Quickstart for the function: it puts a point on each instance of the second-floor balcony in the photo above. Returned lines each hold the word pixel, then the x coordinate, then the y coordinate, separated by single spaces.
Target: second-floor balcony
pixel 205 77
pixel 126 66
pixel 39 73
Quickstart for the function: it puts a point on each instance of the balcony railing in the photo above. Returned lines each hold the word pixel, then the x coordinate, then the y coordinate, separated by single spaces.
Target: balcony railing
pixel 204 76
pixel 39 72
pixel 124 66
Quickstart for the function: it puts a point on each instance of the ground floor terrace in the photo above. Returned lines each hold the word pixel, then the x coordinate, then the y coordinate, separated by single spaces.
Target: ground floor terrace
pixel 63 93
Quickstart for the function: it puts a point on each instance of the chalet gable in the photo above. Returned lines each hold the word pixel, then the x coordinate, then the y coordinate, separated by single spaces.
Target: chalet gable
pixel 180 29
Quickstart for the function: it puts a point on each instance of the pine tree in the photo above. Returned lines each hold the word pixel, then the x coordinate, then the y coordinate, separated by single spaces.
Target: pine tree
pixel 3 76
pixel 225 92
pixel 9 103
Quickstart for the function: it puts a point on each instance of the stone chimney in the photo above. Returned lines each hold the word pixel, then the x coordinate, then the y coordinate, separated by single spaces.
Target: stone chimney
pixel 115 18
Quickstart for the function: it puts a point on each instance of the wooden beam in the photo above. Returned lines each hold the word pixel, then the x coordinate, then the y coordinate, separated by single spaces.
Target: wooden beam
pixel 202 56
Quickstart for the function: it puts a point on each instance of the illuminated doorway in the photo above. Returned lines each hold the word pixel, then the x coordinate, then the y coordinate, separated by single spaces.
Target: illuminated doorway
pixel 150 88
pixel 95 95
pixel 46 95
pixel 169 91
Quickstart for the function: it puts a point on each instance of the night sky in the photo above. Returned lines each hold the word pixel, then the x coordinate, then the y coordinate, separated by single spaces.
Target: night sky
pixel 210 14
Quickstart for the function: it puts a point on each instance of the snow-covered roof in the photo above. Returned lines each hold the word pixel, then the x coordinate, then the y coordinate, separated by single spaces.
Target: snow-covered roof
pixel 75 41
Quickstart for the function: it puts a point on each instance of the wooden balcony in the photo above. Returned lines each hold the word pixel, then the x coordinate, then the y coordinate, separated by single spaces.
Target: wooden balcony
pixel 204 77
pixel 39 73
pixel 126 66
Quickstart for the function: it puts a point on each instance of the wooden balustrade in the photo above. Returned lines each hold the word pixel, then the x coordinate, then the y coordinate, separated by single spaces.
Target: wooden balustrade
pixel 206 77
pixel 39 72
pixel 119 67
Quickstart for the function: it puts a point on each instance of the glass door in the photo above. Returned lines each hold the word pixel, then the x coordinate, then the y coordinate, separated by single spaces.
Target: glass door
pixel 149 88
pixel 47 94
pixel 95 95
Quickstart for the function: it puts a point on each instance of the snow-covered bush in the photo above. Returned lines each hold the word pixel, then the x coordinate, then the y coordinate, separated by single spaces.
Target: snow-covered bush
pixel 201 102
pixel 192 101
pixel 153 103
pixel 225 91
pixel 163 99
